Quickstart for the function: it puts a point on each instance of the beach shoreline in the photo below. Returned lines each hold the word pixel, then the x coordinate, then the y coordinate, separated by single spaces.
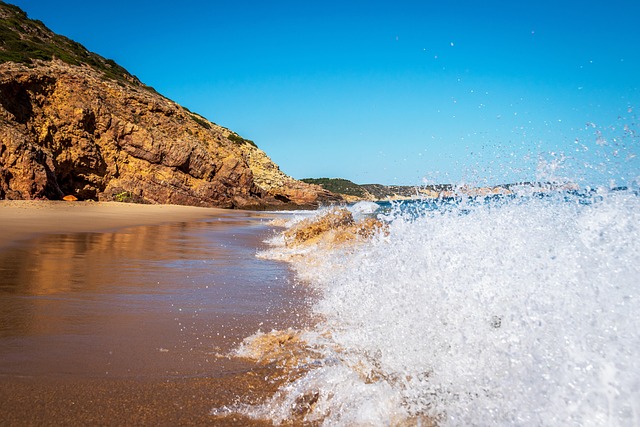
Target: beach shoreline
pixel 123 314
pixel 25 219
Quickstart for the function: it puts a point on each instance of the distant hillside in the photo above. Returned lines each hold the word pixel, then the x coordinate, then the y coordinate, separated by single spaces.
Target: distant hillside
pixel 378 192
pixel 345 187
pixel 75 123
pixel 338 186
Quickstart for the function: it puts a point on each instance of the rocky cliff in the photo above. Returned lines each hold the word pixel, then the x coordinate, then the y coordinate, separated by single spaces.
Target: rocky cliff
pixel 74 123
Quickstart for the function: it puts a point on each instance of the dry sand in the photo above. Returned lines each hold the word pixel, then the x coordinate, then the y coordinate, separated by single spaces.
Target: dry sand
pixel 23 219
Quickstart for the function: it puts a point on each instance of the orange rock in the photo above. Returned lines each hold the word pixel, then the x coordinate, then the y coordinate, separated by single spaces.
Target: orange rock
pixel 314 227
pixel 70 198
pixel 335 226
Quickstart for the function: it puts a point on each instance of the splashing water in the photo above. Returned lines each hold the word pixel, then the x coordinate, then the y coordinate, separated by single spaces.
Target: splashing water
pixel 518 309
pixel 513 311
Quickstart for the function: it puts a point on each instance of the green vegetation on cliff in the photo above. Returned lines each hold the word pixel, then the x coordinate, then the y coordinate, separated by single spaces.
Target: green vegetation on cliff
pixel 338 185
pixel 234 137
pixel 25 40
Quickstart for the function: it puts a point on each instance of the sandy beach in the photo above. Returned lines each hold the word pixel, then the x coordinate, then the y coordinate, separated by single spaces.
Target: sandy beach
pixel 23 219
pixel 120 314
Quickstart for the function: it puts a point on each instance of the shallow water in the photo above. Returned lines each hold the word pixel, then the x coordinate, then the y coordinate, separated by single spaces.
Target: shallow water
pixel 160 301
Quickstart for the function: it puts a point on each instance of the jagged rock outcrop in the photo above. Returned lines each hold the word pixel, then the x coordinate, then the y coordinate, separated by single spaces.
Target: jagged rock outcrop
pixel 76 128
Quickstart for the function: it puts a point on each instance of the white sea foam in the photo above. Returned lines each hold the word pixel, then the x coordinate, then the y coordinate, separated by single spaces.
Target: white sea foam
pixel 361 209
pixel 524 312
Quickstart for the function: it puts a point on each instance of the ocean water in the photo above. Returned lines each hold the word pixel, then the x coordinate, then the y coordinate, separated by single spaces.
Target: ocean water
pixel 519 310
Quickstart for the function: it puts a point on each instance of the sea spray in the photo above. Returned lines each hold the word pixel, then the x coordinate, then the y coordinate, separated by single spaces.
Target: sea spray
pixel 520 310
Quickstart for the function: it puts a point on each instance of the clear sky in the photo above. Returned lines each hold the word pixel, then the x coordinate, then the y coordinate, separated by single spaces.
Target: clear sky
pixel 392 92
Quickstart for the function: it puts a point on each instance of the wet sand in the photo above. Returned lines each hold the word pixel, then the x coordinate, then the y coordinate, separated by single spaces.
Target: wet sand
pixel 23 219
pixel 107 323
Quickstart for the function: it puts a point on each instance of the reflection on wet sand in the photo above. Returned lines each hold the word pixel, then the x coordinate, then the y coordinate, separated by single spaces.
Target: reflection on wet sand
pixel 144 305
pixel 78 262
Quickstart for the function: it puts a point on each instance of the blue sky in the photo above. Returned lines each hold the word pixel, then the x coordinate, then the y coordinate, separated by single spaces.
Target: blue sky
pixel 393 92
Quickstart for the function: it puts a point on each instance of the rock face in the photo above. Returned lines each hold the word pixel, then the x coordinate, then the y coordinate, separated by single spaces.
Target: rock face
pixel 71 129
pixel 333 227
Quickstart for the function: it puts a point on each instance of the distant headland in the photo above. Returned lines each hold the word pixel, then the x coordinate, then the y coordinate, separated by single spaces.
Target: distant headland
pixel 352 192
